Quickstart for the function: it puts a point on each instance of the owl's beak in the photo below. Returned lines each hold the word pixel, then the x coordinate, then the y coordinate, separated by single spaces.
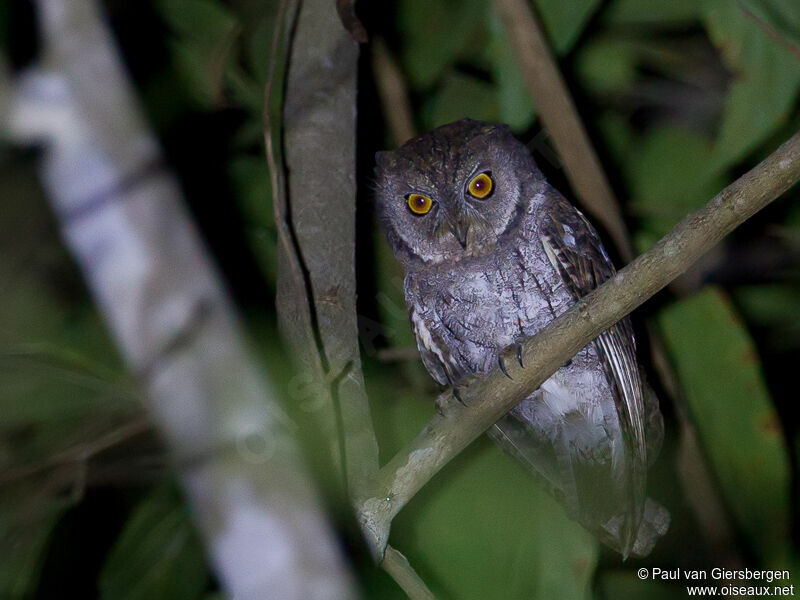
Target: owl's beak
pixel 457 224
pixel 460 231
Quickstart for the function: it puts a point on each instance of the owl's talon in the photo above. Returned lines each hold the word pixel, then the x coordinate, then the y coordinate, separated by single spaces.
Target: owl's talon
pixel 440 409
pixel 457 396
pixel 518 350
pixel 502 364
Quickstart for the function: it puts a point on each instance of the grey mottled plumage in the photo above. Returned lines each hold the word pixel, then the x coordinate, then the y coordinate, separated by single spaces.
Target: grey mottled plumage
pixel 483 273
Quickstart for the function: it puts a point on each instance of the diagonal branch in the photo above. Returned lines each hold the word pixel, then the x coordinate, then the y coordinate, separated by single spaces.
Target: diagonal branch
pixel 488 399
pixel 396 565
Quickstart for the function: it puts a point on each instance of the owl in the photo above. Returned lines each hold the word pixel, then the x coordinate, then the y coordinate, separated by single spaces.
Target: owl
pixel 492 253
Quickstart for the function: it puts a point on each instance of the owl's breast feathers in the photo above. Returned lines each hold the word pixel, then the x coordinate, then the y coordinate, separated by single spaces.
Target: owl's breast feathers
pixel 583 431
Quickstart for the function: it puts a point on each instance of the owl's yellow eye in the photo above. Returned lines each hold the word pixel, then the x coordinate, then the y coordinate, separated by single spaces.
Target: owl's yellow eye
pixel 419 204
pixel 481 186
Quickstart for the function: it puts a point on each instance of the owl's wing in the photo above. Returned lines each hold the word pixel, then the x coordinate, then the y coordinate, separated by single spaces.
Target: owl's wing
pixel 576 252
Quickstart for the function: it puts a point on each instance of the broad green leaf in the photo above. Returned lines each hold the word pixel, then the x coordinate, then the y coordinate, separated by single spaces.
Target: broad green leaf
pixel 626 584
pixel 260 46
pixel 668 175
pixel 205 34
pixel 58 369
pixel 251 181
pixel 158 555
pixel 60 377
pixel 461 96
pixel 200 20
pixel 719 371
pixel 564 21
pixel 766 80
pixel 780 16
pixel 618 135
pixel 773 307
pixel 516 107
pixel 483 528
pixel 436 34
pixel 607 65
pixel 24 537
pixel 639 12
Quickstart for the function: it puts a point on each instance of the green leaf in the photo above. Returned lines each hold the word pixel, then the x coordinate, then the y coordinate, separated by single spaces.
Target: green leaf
pixel 773 307
pixel 483 528
pixel 516 107
pixel 564 21
pixel 259 46
pixel 640 12
pixel 461 96
pixel 780 16
pixel 204 46
pixel 24 537
pixel 607 65
pixel 668 175
pixel 625 584
pixel 766 80
pixel 158 555
pixel 200 20
pixel 252 183
pixel 739 430
pixel 438 33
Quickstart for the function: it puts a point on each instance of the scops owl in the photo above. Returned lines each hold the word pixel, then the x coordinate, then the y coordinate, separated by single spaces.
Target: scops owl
pixel 492 253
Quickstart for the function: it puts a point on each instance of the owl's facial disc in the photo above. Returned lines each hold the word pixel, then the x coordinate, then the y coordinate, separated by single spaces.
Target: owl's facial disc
pixel 453 192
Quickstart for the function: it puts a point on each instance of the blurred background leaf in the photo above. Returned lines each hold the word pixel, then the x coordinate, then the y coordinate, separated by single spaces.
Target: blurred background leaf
pixel 482 525
pixel 779 16
pixel 766 79
pixel 563 21
pixel 721 377
pixel 158 555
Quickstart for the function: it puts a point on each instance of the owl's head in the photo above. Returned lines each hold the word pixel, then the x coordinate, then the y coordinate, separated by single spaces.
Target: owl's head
pixel 454 191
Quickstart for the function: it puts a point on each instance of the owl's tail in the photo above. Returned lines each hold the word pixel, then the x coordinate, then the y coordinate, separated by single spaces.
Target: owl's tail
pixel 577 464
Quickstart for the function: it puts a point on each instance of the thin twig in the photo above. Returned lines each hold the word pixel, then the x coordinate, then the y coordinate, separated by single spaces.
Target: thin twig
pixel 554 103
pixel 396 565
pixel 82 451
pixel 393 93
pixel 767 28
pixel 488 399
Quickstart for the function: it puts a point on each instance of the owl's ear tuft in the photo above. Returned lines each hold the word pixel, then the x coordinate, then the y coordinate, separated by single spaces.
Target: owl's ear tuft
pixel 498 128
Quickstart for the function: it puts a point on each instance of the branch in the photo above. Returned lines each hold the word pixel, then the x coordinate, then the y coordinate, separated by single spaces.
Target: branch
pixel 559 115
pixel 396 565
pixel 488 399
pixel 393 93
pixel 315 214
pixel 122 216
